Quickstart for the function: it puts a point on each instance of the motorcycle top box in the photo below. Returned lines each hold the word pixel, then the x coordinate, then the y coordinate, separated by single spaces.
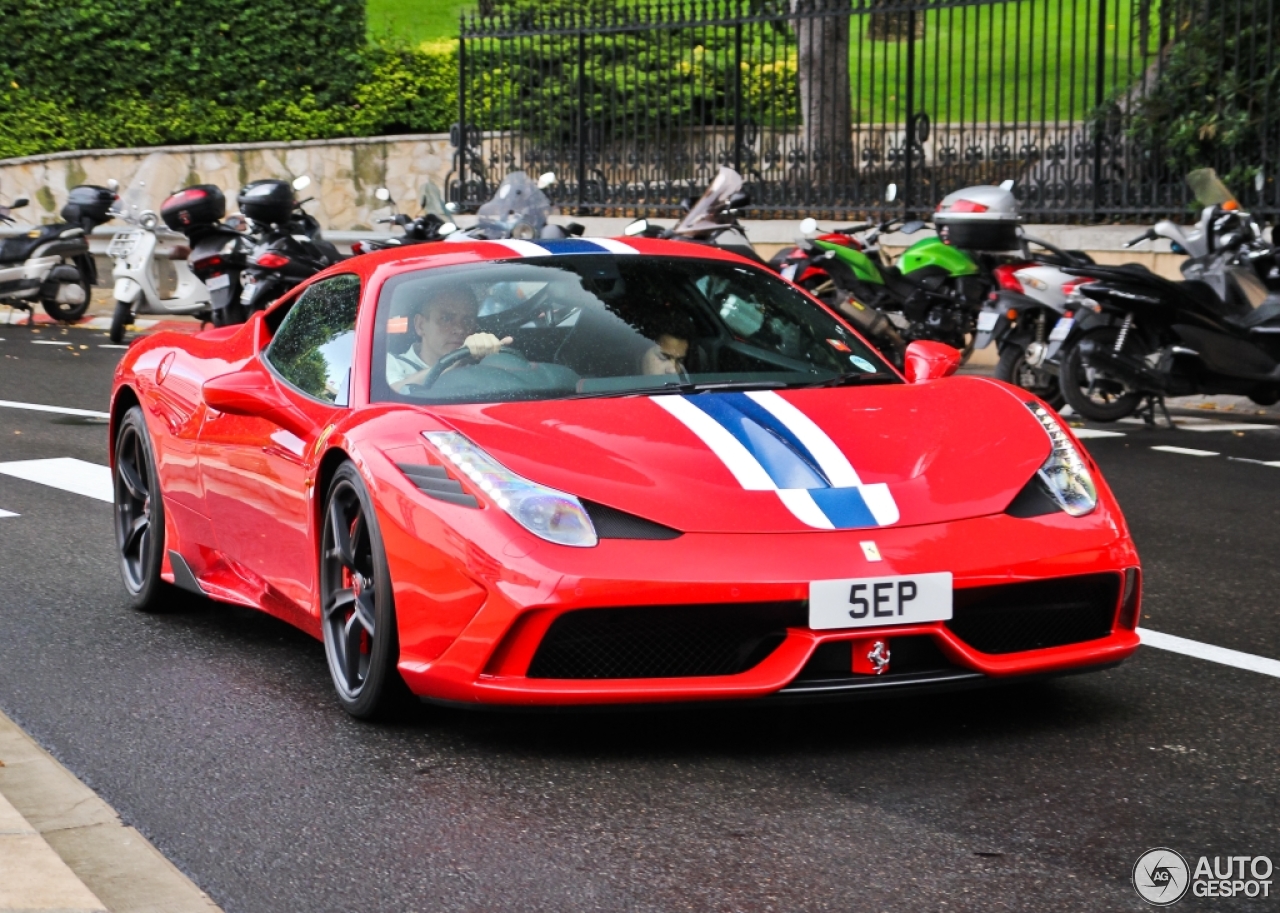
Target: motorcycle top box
pixel 270 202
pixel 979 218
pixel 89 202
pixel 202 204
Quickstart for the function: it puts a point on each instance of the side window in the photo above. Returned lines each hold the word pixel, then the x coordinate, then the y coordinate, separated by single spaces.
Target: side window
pixel 315 345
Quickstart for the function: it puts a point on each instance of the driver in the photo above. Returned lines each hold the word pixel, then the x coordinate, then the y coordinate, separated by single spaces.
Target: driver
pixel 444 322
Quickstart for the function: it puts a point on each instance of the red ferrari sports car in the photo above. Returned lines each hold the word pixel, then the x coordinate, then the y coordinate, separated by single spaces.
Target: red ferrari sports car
pixel 604 471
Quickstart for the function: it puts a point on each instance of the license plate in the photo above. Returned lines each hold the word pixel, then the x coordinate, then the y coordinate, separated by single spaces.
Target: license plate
pixel 217 282
pixel 789 271
pixel 987 321
pixel 246 293
pixel 1061 329
pixel 866 602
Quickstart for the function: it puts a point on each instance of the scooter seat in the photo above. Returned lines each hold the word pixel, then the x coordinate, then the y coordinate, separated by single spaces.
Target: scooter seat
pixel 1267 312
pixel 16 250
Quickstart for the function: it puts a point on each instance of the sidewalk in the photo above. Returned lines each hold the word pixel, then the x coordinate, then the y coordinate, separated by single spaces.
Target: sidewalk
pixel 64 850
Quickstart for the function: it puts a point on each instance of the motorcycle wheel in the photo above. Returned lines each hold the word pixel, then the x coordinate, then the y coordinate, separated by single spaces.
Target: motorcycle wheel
pixel 230 315
pixel 69 313
pixel 120 320
pixel 1098 398
pixel 1013 369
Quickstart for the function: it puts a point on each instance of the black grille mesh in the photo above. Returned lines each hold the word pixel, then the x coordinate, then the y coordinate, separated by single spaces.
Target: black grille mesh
pixel 663 641
pixel 1013 617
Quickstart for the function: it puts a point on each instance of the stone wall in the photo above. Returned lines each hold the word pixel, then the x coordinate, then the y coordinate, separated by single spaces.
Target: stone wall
pixel 344 173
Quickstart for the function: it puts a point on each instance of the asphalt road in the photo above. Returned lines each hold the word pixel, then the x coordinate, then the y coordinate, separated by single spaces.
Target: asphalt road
pixel 214 732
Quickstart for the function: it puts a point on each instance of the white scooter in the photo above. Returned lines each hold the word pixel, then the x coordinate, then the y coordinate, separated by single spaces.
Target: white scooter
pixel 138 261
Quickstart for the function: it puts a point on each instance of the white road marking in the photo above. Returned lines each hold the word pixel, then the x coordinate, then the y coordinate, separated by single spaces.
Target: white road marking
pixel 1258 462
pixel 51 342
pixel 1083 433
pixel 1187 451
pixel 1194 648
pixel 7 513
pixel 111 345
pixel 60 410
pixel 1224 426
pixel 80 477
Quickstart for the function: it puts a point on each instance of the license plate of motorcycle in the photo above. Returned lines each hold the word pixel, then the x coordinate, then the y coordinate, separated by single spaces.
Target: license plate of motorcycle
pixel 1062 329
pixel 246 294
pixel 217 282
pixel 987 321
pixel 789 271
pixel 866 602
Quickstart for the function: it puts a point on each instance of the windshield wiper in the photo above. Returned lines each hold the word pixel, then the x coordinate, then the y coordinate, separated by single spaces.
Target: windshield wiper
pixel 854 380
pixel 684 386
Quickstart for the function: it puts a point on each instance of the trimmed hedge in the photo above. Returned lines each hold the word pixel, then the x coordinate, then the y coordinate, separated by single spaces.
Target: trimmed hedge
pixel 238 71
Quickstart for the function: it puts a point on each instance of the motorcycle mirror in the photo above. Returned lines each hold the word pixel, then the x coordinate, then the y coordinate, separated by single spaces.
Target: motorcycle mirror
pixel 113 185
pixel 809 227
pixel 638 227
pixel 1259 181
pixel 740 200
pixel 686 204
pixel 891 193
pixel 1006 185
pixel 149 220
pixel 451 206
pixel 910 228
pixel 382 194
pixel 447 228
pixel 546 180
pixel 19 203
pixel 301 183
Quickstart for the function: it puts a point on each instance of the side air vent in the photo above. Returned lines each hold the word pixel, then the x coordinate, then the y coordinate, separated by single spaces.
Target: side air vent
pixel 434 482
pixel 618 524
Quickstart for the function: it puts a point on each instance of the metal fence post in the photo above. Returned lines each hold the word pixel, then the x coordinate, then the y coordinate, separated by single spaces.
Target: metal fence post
pixel 737 97
pixel 908 179
pixel 582 120
pixel 462 112
pixel 1099 96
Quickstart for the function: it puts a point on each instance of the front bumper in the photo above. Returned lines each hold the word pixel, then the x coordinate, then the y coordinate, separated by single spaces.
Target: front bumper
pixel 478 648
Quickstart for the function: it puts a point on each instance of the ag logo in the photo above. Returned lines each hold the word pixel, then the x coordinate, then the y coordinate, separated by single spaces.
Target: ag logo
pixel 1161 877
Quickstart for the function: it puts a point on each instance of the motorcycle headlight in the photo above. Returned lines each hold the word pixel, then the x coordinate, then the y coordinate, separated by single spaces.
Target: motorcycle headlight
pixel 545 512
pixel 1064 474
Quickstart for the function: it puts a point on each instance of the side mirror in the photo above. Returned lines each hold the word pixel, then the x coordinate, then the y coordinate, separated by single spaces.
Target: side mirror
pixel 301 183
pixel 739 200
pixel 451 206
pixel 19 203
pixel 926 361
pixel 546 180
pixel 891 193
pixel 809 227
pixel 113 185
pixel 636 228
pixel 382 194
pixel 253 393
pixel 910 228
pixel 447 228
pixel 1006 185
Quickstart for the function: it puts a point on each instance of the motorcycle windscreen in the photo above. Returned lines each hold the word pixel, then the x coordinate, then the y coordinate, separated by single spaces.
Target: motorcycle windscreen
pixel 517 210
pixel 726 183
pixel 1209 189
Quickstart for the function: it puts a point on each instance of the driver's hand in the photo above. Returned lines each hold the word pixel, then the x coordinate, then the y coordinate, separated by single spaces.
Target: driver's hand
pixel 482 345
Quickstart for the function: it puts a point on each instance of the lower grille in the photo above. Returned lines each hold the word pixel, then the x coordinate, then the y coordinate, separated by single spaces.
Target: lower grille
pixel 664 641
pixel 1013 617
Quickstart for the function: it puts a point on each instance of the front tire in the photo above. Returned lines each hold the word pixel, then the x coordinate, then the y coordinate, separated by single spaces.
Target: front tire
pixel 1013 369
pixel 70 313
pixel 1091 394
pixel 358 611
pixel 121 318
pixel 139 516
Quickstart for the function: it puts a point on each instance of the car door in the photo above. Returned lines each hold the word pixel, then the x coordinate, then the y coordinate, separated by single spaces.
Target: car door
pixel 255 471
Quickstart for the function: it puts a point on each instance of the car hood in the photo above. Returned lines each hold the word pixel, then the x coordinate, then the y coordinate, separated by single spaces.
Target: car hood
pixel 776 461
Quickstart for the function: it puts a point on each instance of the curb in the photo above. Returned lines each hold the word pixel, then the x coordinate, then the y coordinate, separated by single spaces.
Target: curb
pixel 64 850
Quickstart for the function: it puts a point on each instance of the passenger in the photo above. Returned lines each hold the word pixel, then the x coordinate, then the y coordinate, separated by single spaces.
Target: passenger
pixel 444 322
pixel 668 354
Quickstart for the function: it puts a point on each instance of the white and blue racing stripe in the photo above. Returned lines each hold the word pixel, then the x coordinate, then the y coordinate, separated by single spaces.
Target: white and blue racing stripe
pixel 769 444
pixel 567 246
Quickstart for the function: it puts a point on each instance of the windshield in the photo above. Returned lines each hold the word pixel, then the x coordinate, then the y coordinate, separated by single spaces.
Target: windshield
pixel 154 180
pixel 517 210
pixel 1208 188
pixel 606 325
pixel 726 183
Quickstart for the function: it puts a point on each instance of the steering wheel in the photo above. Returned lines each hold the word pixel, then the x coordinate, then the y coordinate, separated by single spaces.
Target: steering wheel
pixel 444 364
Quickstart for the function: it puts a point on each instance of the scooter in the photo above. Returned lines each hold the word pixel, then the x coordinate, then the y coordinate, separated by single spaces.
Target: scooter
pixel 219 250
pixel 288 248
pixel 1140 337
pixel 435 223
pixel 51 263
pixel 137 254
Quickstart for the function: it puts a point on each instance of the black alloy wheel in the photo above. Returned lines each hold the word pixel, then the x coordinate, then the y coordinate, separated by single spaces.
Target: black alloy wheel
pixel 358 620
pixel 1013 368
pixel 1091 392
pixel 139 516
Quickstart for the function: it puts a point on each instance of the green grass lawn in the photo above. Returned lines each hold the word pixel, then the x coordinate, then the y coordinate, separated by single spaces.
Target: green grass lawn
pixel 415 21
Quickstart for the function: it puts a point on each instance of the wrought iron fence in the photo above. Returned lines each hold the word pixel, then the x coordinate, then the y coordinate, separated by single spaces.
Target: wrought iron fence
pixel 821 104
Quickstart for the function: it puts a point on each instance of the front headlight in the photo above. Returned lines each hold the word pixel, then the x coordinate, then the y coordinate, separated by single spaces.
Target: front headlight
pixel 545 512
pixel 1065 476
